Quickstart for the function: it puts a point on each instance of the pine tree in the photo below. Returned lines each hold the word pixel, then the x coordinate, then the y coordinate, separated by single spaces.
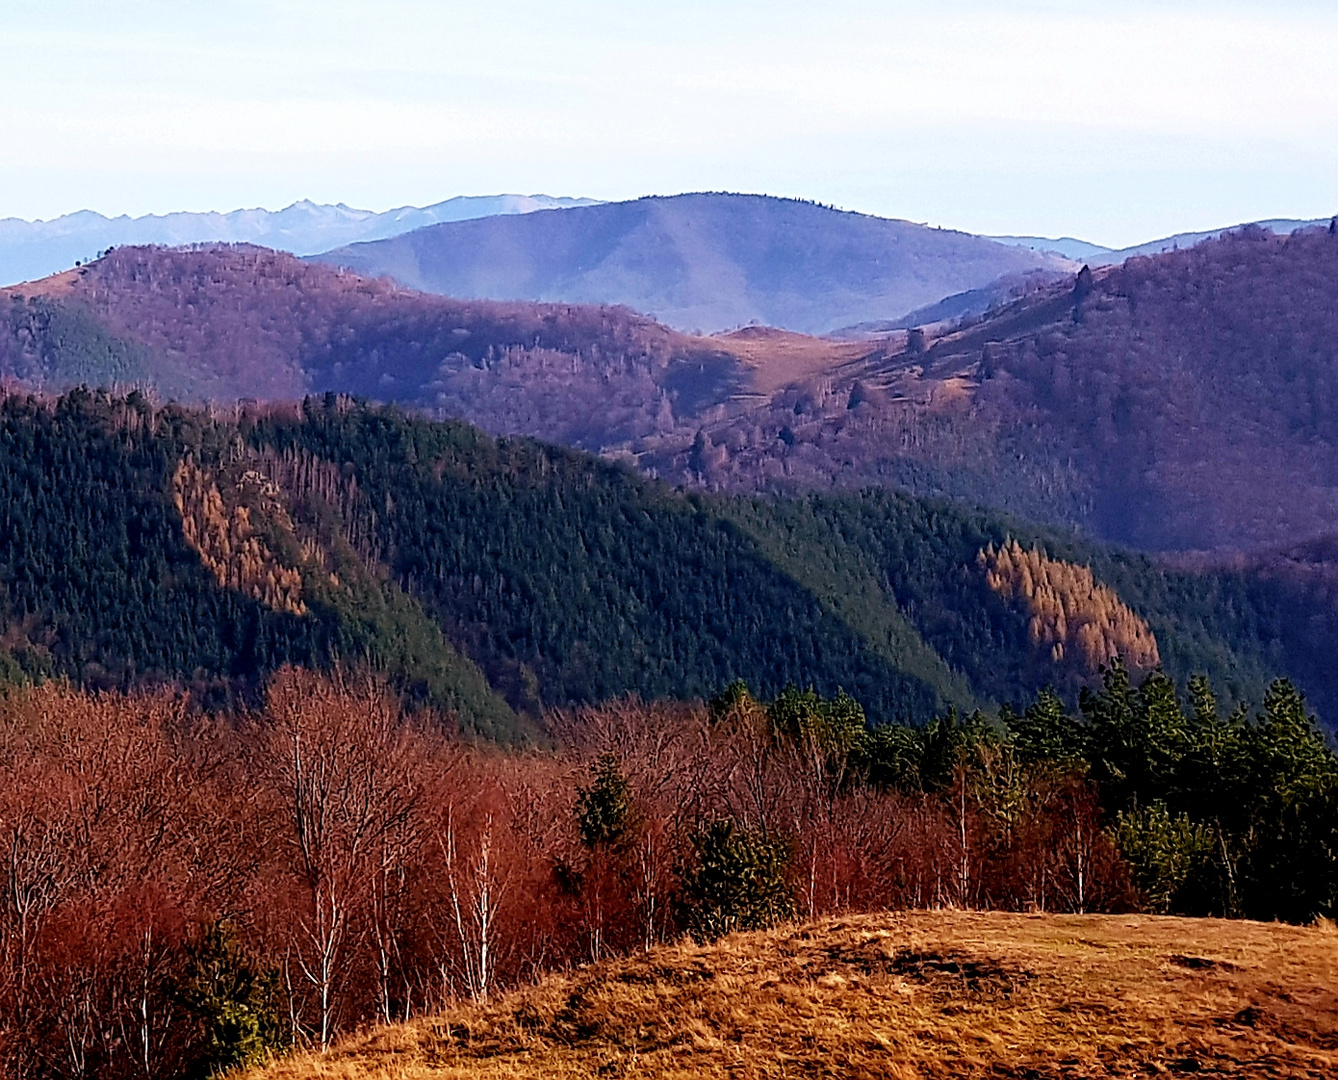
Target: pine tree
pixel 1045 731
pixel 236 1002
pixel 604 809
pixel 738 882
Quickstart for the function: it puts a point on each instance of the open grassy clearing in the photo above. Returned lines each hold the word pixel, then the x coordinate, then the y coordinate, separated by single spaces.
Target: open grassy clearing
pixel 776 358
pixel 928 994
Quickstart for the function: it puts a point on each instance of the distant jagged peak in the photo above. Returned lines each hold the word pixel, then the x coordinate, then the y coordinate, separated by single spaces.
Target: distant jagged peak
pixel 468 205
pixel 34 249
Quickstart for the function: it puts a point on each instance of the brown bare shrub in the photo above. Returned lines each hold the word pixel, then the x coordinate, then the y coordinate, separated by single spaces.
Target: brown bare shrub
pixel 383 869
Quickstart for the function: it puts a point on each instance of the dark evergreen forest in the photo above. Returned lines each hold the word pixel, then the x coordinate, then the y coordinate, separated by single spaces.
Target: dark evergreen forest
pixel 891 703
pixel 501 578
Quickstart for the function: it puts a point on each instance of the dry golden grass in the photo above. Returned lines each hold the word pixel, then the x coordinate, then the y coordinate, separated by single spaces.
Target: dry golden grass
pixel 54 286
pixel 941 994
pixel 776 358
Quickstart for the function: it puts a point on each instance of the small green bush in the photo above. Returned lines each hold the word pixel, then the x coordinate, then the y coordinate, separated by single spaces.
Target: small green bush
pixel 1168 856
pixel 236 1002
pixel 738 882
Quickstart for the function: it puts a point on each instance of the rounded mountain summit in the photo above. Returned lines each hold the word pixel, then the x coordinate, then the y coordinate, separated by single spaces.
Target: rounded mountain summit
pixel 701 262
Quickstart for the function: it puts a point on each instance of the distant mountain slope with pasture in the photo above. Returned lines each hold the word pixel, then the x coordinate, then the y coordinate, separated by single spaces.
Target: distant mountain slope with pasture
pixel 1183 401
pixel 227 322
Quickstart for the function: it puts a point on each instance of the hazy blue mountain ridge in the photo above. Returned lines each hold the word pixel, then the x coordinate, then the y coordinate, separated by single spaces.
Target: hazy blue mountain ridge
pixel 701 262
pixel 1097 255
pixel 34 249
pixel 1068 246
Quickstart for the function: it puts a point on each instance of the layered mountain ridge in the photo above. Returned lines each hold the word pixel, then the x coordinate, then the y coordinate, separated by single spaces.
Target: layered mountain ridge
pixel 1098 255
pixel 704 262
pixel 34 249
pixel 1178 402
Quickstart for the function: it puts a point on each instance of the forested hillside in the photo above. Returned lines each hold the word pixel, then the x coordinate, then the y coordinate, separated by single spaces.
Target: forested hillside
pixel 105 582
pixel 1193 392
pixel 1180 402
pixel 215 852
pixel 497 579
pixel 226 323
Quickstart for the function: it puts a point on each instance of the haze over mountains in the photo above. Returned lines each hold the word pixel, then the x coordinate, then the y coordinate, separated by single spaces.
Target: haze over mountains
pixel 1177 402
pixel 34 249
pixel 701 262
pixel 1096 255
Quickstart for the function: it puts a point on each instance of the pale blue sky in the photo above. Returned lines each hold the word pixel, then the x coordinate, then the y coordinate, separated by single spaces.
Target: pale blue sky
pixel 1112 121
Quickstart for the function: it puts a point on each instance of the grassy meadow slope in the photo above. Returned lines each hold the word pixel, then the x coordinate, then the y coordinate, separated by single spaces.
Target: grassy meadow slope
pixel 941 994
pixel 703 262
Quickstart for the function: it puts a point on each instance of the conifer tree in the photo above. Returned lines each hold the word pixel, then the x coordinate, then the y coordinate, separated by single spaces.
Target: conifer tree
pixel 235 1001
pixel 738 882
pixel 1045 731
pixel 604 809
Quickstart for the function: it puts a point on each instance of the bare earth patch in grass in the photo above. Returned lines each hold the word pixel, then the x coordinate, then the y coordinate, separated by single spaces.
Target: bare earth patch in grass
pixel 925 994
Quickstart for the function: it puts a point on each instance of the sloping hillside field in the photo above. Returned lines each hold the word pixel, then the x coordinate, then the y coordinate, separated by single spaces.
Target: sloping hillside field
pixel 1181 402
pixel 941 994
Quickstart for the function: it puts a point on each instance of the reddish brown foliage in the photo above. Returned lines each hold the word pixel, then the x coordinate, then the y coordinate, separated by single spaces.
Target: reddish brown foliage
pixel 227 322
pixel 383 869
pixel 1180 402
pixel 1071 612
pixel 1185 402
